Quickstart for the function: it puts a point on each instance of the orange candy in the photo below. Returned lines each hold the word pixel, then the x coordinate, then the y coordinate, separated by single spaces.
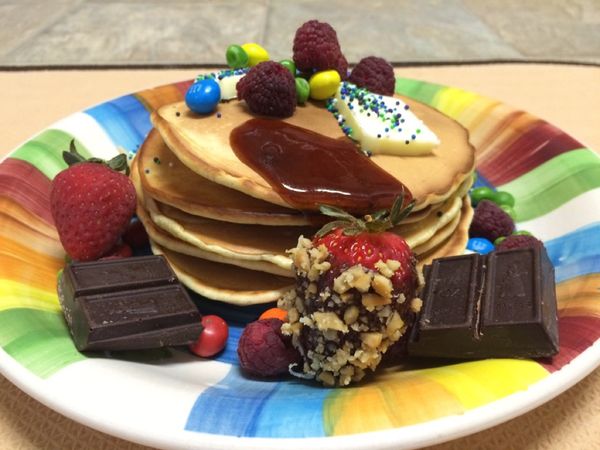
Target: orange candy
pixel 274 313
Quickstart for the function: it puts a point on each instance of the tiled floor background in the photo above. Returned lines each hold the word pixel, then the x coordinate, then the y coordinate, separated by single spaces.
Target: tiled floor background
pixel 139 32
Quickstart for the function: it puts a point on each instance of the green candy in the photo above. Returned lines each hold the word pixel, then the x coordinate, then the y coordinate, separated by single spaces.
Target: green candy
pixel 236 57
pixel 302 90
pixel 481 193
pixel 499 240
pixel 503 198
pixel 289 65
pixel 523 232
pixel 508 210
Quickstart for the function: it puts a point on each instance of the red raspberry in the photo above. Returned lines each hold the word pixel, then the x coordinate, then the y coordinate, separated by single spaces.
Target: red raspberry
pixel 490 222
pixel 375 74
pixel 342 67
pixel 268 89
pixel 316 47
pixel 264 351
pixel 519 241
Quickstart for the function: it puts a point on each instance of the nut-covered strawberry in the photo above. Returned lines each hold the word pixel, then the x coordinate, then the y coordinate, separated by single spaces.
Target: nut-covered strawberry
pixel 354 294
pixel 92 204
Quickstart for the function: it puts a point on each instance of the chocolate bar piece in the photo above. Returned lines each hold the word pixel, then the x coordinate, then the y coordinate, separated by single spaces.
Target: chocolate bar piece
pixel 501 305
pixel 127 304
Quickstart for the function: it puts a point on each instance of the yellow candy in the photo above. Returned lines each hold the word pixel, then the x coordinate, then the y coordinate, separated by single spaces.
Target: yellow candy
pixel 324 84
pixel 256 54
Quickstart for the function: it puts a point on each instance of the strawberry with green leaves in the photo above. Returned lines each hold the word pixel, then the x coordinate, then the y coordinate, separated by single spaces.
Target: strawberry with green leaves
pixel 350 241
pixel 92 204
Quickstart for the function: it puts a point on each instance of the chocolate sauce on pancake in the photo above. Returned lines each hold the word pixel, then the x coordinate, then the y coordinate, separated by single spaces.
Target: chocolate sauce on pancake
pixel 308 169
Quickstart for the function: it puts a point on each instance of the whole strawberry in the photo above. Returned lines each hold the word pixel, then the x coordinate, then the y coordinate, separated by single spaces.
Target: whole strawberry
pixel 92 204
pixel 355 285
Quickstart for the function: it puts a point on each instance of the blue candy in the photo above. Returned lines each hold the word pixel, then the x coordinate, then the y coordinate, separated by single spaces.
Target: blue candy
pixel 480 245
pixel 203 96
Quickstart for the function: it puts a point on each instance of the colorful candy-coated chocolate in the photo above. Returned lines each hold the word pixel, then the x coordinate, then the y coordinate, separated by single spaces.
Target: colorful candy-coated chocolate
pixel 498 197
pixel 508 210
pixel 236 57
pixel 503 198
pixel 523 232
pixel 481 193
pixel 203 96
pixel 520 232
pixel 256 53
pixel 289 65
pixel 499 240
pixel 480 245
pixel 302 90
pixel 324 84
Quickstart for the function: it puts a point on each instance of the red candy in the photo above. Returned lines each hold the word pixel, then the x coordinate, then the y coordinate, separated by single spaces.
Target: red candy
pixel 213 337
pixel 264 351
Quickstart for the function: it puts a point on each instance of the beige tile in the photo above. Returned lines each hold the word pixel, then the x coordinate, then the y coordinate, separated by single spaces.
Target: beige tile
pixel 22 20
pixel 426 30
pixel 139 32
pixel 551 29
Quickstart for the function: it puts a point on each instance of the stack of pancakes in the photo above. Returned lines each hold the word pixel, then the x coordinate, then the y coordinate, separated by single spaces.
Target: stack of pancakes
pixel 225 231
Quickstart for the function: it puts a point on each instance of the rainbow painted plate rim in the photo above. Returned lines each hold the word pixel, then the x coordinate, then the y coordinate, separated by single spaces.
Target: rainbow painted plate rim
pixel 171 399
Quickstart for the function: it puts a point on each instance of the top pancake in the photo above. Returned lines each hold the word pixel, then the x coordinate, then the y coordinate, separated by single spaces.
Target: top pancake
pixel 173 183
pixel 202 144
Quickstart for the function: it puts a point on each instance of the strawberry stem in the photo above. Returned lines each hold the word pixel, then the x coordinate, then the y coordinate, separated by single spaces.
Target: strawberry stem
pixel 376 222
pixel 118 163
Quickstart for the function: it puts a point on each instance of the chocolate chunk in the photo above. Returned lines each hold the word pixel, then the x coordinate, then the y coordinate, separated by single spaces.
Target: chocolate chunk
pixel 500 305
pixel 127 304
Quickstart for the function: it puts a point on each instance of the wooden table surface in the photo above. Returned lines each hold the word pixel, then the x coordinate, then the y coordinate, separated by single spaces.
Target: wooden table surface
pixel 567 96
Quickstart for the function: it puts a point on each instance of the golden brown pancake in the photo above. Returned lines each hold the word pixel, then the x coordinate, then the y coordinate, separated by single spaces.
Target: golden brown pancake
pixel 242 255
pixel 224 282
pixel 168 241
pixel 456 244
pixel 202 144
pixel 171 182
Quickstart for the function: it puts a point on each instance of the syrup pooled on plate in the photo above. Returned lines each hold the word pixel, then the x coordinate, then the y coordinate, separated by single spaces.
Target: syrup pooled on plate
pixel 308 169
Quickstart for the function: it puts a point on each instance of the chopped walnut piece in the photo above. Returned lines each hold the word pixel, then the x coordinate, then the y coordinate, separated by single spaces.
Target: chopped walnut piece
pixel 329 321
pixel 416 304
pixel 384 269
pixel 371 339
pixel 355 277
pixel 382 285
pixel 371 301
pixel 351 314
pixel 326 378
